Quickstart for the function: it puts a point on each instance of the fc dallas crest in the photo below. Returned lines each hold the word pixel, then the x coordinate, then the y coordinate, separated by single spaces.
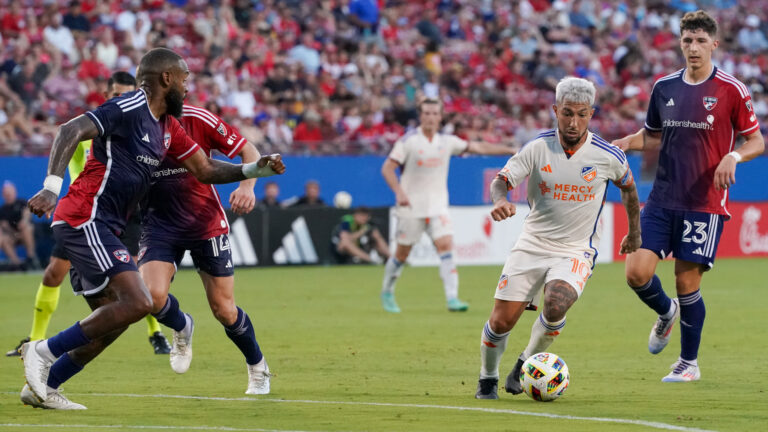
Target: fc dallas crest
pixel 709 102
pixel 122 255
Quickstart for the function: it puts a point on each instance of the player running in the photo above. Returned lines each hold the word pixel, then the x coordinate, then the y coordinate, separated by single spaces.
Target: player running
pixel 568 171
pixel 422 198
pixel 47 298
pixel 131 134
pixel 185 214
pixel 695 114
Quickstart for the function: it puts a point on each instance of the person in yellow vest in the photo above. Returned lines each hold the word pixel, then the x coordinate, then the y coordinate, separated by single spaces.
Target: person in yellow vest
pixel 47 298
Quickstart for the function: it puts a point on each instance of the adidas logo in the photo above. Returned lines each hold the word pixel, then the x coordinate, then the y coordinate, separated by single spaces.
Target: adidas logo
pixel 671 102
pixel 229 264
pixel 240 243
pixel 145 138
pixel 698 251
pixel 547 169
pixel 297 245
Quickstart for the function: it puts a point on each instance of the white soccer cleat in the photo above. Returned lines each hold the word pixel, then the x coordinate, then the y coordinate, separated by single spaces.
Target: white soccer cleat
pixel 682 371
pixel 181 353
pixel 258 378
pixel 662 329
pixel 54 400
pixel 36 369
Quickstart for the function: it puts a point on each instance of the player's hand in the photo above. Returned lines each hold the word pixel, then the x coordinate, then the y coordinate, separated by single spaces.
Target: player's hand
pixel 623 143
pixel 242 200
pixel 275 161
pixel 630 243
pixel 725 174
pixel 402 199
pixel 503 209
pixel 43 203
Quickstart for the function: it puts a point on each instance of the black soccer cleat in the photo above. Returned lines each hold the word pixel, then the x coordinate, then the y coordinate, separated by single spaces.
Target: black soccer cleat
pixel 15 352
pixel 486 388
pixel 512 385
pixel 159 343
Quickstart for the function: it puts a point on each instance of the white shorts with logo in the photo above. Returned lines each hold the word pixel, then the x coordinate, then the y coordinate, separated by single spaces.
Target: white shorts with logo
pixel 410 229
pixel 526 271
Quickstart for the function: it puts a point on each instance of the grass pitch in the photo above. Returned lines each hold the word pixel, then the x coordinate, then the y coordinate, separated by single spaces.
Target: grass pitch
pixel 342 364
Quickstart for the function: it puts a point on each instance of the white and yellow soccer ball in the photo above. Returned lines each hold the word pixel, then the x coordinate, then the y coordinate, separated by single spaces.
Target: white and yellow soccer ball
pixel 342 200
pixel 544 377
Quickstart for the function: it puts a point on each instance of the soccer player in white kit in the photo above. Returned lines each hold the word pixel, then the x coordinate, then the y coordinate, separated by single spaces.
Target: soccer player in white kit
pixel 422 198
pixel 568 171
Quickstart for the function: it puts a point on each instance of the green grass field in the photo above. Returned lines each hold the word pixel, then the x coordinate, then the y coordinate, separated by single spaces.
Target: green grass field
pixel 343 364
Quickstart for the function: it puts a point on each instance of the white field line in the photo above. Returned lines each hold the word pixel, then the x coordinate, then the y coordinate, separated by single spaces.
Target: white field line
pixel 144 427
pixel 650 424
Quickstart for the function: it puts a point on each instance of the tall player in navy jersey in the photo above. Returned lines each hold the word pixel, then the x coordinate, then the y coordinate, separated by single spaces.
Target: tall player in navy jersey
pixel 131 135
pixel 184 214
pixel 695 114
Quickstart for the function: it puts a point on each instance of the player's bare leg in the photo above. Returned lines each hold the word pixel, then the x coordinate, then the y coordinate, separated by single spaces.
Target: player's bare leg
pixel 449 275
pixel 238 327
pixel 392 270
pixel 641 277
pixel 165 308
pixel 493 342
pixel 692 313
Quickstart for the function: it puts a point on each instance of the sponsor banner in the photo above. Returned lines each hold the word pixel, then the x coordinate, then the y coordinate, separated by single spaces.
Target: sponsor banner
pixel 479 240
pixel 744 235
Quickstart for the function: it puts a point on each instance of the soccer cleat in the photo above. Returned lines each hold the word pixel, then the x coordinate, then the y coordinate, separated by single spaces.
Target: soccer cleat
pixel 181 353
pixel 258 378
pixel 683 371
pixel 486 388
pixel 36 369
pixel 512 385
pixel 662 329
pixel 456 305
pixel 388 303
pixel 17 351
pixel 159 343
pixel 54 400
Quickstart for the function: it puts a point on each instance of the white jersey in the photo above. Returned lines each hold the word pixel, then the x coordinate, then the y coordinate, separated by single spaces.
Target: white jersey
pixel 566 195
pixel 425 171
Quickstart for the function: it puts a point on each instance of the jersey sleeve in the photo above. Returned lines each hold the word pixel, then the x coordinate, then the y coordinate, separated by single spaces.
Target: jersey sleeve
pixel 653 117
pixel 181 146
pixel 398 153
pixel 107 117
pixel 518 167
pixel 457 145
pixel 620 173
pixel 743 118
pixel 218 134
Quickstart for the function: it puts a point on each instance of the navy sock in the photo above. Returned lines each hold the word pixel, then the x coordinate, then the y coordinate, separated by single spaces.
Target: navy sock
pixel 62 370
pixel 692 313
pixel 67 340
pixel 654 296
pixel 170 315
pixel 241 333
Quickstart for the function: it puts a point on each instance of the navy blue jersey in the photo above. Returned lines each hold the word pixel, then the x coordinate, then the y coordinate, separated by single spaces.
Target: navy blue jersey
pixel 129 149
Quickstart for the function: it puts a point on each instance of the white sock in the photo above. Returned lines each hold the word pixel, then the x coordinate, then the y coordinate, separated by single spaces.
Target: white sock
pixel 45 352
pixel 492 346
pixel 543 333
pixel 392 270
pixel 449 275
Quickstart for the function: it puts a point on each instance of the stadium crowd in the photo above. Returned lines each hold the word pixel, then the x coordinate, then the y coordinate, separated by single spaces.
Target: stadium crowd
pixel 343 76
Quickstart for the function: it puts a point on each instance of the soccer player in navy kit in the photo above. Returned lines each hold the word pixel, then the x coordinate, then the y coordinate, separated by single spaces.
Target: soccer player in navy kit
pixel 132 134
pixel 184 214
pixel 695 114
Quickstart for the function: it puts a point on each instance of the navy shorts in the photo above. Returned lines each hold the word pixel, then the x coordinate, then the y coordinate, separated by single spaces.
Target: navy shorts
pixel 96 254
pixel 687 235
pixel 130 239
pixel 212 256
pixel 59 251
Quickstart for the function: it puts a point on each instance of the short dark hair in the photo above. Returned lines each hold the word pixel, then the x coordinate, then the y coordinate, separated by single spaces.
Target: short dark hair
pixel 122 78
pixel 363 209
pixel 157 61
pixel 430 101
pixel 693 21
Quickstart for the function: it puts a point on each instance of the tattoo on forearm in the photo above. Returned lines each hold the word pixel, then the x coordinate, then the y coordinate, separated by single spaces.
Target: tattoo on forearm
pixel 498 189
pixel 559 296
pixel 632 205
pixel 223 172
pixel 65 143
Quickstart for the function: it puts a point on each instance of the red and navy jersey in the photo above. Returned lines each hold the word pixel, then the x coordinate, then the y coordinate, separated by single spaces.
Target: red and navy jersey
pixel 698 125
pixel 129 149
pixel 179 206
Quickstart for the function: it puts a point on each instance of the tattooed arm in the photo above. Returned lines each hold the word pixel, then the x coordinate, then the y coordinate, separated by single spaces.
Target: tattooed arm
pixel 632 241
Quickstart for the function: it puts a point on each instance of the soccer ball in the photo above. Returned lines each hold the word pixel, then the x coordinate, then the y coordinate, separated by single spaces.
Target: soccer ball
pixel 544 377
pixel 342 200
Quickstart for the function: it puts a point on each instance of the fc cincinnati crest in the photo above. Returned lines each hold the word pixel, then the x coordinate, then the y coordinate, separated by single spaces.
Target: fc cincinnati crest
pixel 167 140
pixel 122 255
pixel 709 102
pixel 589 173
pixel 221 129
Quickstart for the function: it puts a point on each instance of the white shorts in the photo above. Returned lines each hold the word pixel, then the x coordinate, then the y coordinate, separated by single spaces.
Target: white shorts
pixel 409 229
pixel 526 272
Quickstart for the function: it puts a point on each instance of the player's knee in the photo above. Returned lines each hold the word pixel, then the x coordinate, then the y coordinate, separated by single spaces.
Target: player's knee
pixel 51 277
pixel 501 324
pixel 637 277
pixel 225 312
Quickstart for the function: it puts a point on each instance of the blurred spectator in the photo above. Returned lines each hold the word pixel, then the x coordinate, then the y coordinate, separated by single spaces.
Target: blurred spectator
pixel 60 37
pixel 357 239
pixel 311 197
pixel 106 50
pixel 751 38
pixel 271 192
pixel 16 227
pixel 364 14
pixel 306 54
pixel 75 19
pixel 308 133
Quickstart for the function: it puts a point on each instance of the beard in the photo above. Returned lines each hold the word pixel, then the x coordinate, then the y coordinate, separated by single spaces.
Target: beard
pixel 571 142
pixel 174 102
